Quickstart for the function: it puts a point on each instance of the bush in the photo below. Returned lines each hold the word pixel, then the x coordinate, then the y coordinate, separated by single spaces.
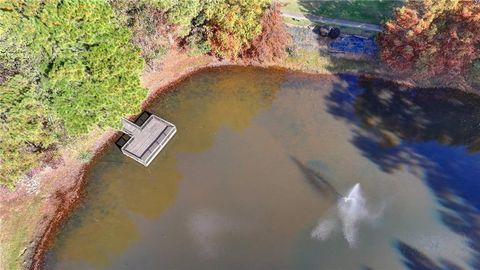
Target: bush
pixel 27 128
pixel 474 73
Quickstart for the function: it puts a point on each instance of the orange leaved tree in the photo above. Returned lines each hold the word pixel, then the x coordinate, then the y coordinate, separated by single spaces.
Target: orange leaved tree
pixel 274 39
pixel 433 37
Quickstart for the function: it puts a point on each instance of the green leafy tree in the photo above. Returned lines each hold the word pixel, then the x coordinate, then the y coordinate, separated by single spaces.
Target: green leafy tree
pixel 68 66
pixel 184 13
pixel 27 128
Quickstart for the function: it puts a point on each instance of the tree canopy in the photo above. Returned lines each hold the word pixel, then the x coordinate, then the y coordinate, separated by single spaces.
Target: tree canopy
pixel 226 26
pixel 70 66
pixel 233 24
pixel 67 66
pixel 272 43
pixel 433 37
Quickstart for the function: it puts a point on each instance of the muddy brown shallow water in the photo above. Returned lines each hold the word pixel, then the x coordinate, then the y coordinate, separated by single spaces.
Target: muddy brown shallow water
pixel 247 181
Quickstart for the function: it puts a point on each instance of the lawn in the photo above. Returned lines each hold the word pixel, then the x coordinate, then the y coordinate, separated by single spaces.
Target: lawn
pixel 343 29
pixel 367 11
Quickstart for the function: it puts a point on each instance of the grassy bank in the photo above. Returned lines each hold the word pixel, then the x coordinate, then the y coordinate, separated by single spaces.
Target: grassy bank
pixel 343 29
pixel 27 212
pixel 16 234
pixel 312 61
pixel 376 11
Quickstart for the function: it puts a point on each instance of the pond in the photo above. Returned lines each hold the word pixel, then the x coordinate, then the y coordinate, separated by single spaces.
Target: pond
pixel 281 170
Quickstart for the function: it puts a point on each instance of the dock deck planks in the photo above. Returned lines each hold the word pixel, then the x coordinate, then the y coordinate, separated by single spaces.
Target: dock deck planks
pixel 148 139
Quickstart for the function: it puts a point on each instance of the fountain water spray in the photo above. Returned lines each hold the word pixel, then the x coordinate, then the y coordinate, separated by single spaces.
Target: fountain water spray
pixel 351 211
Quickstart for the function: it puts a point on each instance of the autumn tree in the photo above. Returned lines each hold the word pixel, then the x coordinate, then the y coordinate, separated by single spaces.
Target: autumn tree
pixel 221 27
pixel 433 37
pixel 271 44
pixel 152 32
pixel 232 24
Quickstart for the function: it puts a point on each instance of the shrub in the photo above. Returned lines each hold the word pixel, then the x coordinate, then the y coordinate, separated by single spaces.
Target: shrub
pixel 184 14
pixel 474 72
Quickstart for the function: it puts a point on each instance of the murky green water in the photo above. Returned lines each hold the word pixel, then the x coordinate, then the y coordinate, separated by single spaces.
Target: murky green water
pixel 250 180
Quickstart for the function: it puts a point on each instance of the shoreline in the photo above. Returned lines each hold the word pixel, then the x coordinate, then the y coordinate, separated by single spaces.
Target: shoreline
pixel 68 200
pixel 60 199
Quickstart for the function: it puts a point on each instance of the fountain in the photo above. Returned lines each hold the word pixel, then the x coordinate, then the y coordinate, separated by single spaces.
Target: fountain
pixel 351 211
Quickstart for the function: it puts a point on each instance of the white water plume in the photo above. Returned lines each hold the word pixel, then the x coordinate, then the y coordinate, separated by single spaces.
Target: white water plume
pixel 351 211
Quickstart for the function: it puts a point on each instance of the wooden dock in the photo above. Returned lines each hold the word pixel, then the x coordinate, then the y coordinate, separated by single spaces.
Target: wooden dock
pixel 146 137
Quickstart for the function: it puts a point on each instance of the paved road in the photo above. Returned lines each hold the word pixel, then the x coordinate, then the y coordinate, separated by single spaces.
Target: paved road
pixel 340 22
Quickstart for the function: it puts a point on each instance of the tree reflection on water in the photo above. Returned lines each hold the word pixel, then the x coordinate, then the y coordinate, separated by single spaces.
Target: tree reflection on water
pixel 437 130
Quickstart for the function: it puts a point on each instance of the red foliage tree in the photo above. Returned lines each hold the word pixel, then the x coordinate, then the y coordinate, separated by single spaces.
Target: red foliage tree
pixel 432 37
pixel 272 42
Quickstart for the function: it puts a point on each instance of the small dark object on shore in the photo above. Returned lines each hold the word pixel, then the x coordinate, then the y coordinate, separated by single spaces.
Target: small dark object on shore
pixel 334 33
pixel 324 31
pixel 321 30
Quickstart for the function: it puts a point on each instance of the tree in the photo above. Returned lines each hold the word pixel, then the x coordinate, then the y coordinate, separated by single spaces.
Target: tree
pixel 433 37
pixel 152 32
pixel 220 27
pixel 232 24
pixel 70 67
pixel 272 42
pixel 26 127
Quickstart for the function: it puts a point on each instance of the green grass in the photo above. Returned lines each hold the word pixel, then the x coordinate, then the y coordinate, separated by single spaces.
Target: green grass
pixel 343 29
pixel 297 22
pixel 367 11
pixel 85 156
pixel 17 231
pixel 314 61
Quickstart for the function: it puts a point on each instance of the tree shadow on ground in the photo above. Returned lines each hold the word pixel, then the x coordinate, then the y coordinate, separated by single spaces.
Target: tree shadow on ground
pixel 434 130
